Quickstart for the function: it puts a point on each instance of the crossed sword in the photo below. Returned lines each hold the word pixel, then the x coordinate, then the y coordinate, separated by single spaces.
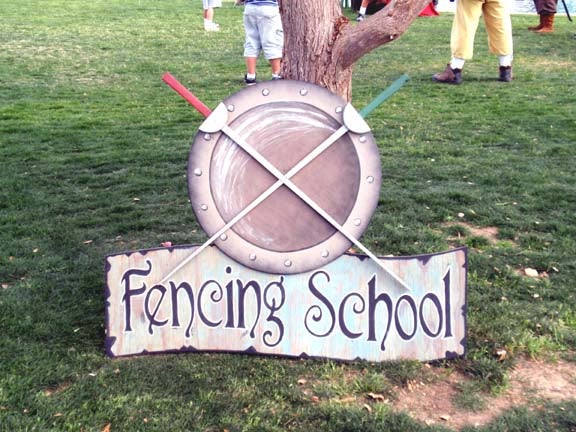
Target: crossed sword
pixel 217 121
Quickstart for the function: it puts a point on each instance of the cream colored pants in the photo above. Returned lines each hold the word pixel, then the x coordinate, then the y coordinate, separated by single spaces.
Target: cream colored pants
pixel 498 26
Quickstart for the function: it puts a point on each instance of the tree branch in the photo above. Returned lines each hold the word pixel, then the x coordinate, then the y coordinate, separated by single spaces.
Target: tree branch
pixel 381 28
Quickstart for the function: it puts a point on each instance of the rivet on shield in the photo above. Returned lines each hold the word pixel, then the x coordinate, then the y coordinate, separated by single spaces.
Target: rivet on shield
pixel 265 92
pixel 230 108
pixel 198 172
pixel 207 137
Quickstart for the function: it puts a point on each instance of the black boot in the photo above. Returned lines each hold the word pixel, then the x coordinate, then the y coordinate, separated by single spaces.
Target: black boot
pixel 505 74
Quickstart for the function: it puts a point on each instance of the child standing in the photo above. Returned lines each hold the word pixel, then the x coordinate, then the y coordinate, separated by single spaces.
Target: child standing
pixel 263 28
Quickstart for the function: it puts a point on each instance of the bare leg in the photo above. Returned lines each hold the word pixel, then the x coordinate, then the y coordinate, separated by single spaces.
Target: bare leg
pixel 275 65
pixel 209 24
pixel 209 14
pixel 362 11
pixel 251 65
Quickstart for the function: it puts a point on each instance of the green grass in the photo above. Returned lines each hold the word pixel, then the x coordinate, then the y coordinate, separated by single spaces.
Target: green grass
pixel 94 149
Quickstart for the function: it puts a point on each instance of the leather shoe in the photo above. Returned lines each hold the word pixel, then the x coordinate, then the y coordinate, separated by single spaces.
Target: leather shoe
pixel 448 76
pixel 505 74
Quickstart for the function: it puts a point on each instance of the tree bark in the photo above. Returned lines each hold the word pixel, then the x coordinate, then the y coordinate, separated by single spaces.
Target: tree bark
pixel 321 45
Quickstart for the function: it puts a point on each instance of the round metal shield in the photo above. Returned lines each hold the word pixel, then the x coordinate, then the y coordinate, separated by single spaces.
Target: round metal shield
pixel 280 165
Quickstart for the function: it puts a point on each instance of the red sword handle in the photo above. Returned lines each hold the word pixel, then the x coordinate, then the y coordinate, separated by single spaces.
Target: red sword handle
pixel 186 94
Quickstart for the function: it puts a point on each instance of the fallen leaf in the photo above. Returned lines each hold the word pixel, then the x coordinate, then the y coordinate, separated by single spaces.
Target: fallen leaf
pixel 445 417
pixel 315 399
pixel 58 414
pixel 136 199
pixel 461 215
pixel 367 408
pixel 302 381
pixel 166 244
pixel 107 428
pixel 87 241
pixel 376 397
pixel 501 354
pixel 5 286
pixel 35 250
pixel 531 272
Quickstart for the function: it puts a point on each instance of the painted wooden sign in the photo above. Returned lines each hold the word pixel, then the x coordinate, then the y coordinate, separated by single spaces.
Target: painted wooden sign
pixel 348 309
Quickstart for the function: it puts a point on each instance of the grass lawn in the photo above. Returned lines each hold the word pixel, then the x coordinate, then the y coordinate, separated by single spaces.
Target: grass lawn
pixel 93 151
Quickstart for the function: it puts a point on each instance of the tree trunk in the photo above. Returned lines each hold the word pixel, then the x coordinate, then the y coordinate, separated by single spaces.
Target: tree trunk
pixel 321 45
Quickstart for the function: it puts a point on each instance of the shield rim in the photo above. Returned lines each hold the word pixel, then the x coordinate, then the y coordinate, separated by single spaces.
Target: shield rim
pixel 245 252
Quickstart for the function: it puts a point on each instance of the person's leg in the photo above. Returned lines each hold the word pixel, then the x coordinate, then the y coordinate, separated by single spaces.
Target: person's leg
pixel 209 14
pixel 251 66
pixel 464 28
pixel 462 35
pixel 547 13
pixel 272 36
pixel 209 5
pixel 275 65
pixel 362 12
pixel 250 77
pixel 499 28
pixel 537 6
pixel 252 44
pixel 547 24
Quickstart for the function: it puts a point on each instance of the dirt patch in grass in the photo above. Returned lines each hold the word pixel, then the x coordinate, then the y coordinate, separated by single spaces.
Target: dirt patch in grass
pixel 529 383
pixel 489 233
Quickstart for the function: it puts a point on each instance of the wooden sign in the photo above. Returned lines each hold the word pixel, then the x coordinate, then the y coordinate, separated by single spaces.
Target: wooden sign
pixel 348 309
